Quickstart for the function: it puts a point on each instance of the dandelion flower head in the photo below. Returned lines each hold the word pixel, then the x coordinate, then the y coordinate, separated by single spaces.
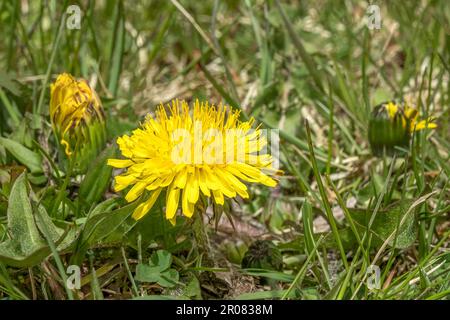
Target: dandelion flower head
pixel 190 153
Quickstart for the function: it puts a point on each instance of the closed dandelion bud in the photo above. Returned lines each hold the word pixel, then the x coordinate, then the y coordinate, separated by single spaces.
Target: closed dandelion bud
pixel 78 120
pixel 391 126
pixel 387 129
pixel 263 254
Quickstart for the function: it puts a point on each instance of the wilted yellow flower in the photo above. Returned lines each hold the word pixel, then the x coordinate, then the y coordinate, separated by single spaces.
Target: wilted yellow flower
pixel 206 150
pixel 77 117
pixel 391 125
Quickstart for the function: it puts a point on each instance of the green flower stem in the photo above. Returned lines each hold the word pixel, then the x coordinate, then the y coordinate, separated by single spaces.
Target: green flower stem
pixel 62 191
pixel 201 237
pixel 130 275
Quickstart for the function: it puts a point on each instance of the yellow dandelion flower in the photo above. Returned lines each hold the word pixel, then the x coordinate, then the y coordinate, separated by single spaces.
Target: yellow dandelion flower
pixel 77 117
pixel 188 153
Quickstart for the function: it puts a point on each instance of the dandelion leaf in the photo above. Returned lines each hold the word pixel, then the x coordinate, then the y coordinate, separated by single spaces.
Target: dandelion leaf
pixel 26 245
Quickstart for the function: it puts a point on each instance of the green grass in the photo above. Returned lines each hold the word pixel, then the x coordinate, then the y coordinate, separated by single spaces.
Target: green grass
pixel 313 70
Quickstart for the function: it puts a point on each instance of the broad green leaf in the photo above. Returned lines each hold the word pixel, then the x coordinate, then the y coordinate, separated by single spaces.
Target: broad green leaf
pixel 30 159
pixel 102 228
pixel 161 259
pixel 193 289
pixel 26 242
pixel 169 278
pixel 385 225
pixel 158 270
pixel 26 246
pixel 54 232
pixel 105 225
pixel 399 216
pixel 97 178
pixel 105 206
pixel 148 273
